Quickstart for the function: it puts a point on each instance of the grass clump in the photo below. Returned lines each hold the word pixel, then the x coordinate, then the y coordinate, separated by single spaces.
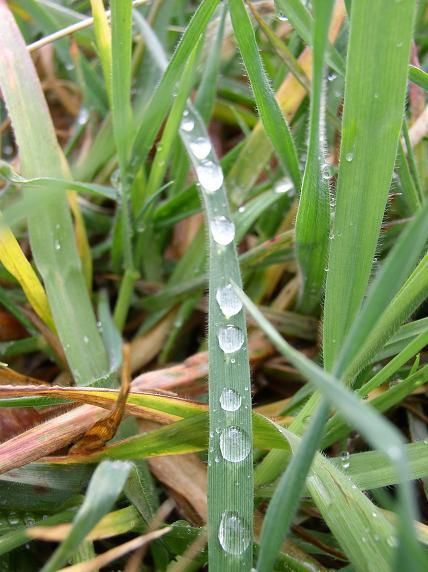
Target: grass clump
pixel 168 223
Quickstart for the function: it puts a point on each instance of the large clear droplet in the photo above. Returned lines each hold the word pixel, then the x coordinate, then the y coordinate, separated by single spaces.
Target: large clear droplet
pixel 228 301
pixel 349 157
pixel 200 147
pixel 222 230
pixel 230 339
pixel 233 534
pixel 210 175
pixel 230 400
pixel 187 123
pixel 235 444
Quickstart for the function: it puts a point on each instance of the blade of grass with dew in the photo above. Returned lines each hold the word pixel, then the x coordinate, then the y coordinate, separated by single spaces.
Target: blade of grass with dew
pixel 104 488
pixel 313 215
pixel 270 113
pixel 375 89
pixel 40 155
pixel 230 443
pixel 377 431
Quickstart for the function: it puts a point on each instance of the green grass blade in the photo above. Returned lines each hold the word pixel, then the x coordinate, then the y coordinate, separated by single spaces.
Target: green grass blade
pixel 273 120
pixel 121 39
pixel 41 157
pixel 394 272
pixel 378 53
pixel 104 488
pixel 313 215
pixel 162 98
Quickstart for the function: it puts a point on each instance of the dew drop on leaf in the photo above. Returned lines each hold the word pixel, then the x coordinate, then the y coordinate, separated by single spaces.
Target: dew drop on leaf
pixel 233 534
pixel 230 339
pixel 228 301
pixel 230 400
pixel 235 445
pixel 222 230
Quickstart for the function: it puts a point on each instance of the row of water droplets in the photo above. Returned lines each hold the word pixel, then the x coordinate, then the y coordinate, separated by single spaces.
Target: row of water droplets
pixel 234 444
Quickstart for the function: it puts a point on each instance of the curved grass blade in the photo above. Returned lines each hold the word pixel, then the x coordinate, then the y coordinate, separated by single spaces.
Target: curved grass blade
pixel 51 231
pixel 372 121
pixel 274 122
pixel 104 488
pixel 313 215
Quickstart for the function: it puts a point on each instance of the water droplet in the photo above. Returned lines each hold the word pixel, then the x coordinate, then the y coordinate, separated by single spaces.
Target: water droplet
pixel 69 66
pixel 374 514
pixel 241 209
pixel 228 301
pixel 230 400
pixel 283 186
pixel 57 245
pixel 187 123
pixel 327 171
pixel 83 116
pixel 331 76
pixel 376 95
pixel 282 17
pixel 200 147
pixel 210 176
pixel 230 339
pixel 235 444
pixel 222 230
pixel 363 539
pixel 400 44
pixel 100 326
pixel 7 151
pixel 233 534
pixel 349 157
pixel 425 441
pixel 86 339
pixel 392 541
pixel 345 459
pixel 217 459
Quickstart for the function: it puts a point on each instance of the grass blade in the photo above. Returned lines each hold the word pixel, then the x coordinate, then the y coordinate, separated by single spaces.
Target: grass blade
pixel 270 113
pixel 313 215
pixel 104 488
pixel 371 126
pixel 60 267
